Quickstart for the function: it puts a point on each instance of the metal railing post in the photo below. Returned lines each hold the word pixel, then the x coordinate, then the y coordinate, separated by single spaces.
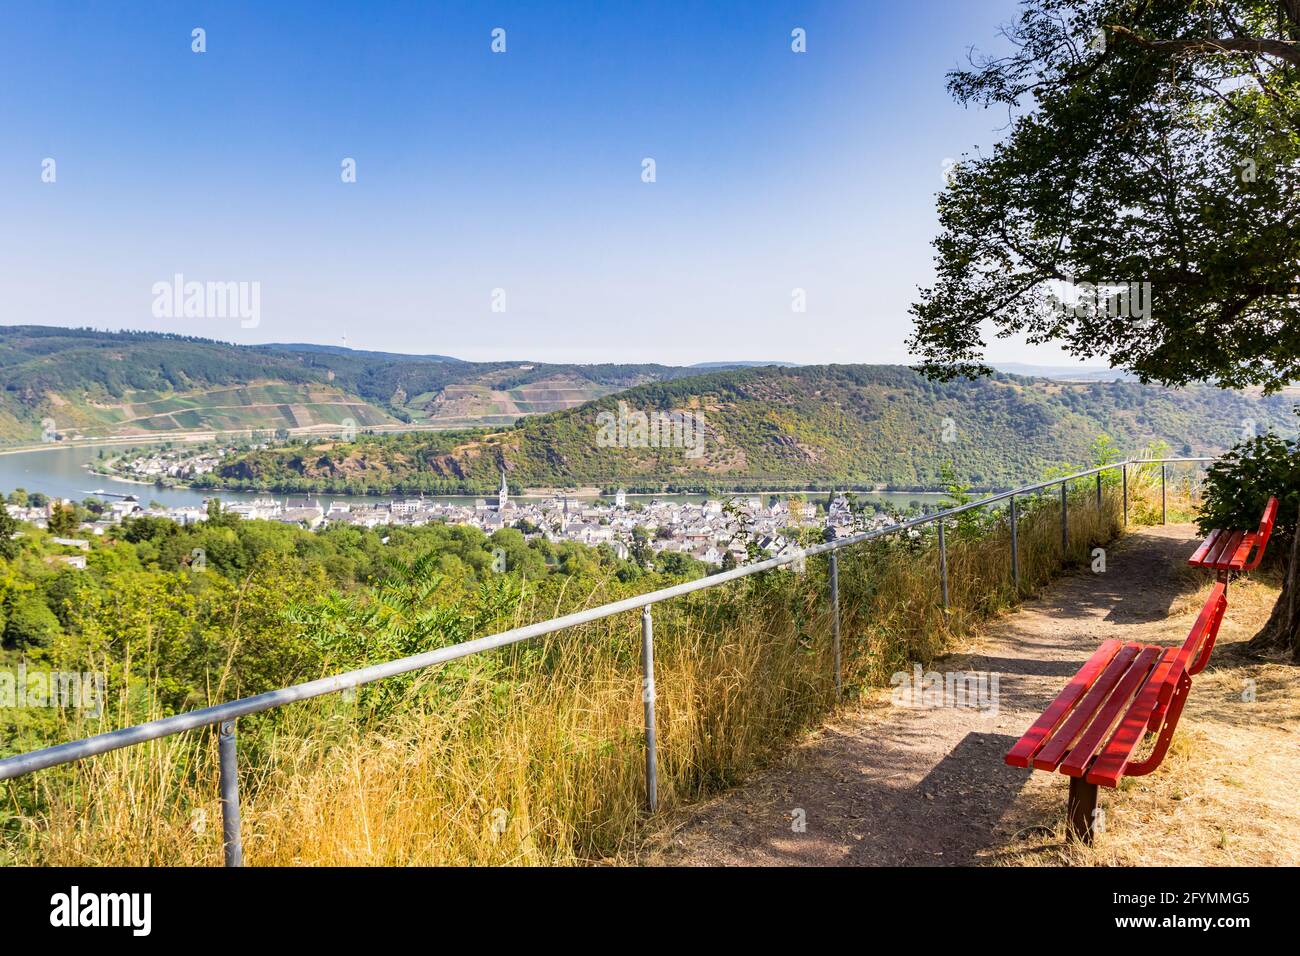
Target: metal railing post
pixel 835 621
pixel 1124 470
pixel 943 566
pixel 1015 554
pixel 234 847
pixel 1164 509
pixel 648 696
pixel 1065 520
pixel 1098 491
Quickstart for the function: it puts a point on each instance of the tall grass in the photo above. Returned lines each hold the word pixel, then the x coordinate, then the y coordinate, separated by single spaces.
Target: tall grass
pixel 539 758
pixel 1182 493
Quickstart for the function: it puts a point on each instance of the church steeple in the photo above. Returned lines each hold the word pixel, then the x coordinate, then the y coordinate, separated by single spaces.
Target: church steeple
pixel 503 495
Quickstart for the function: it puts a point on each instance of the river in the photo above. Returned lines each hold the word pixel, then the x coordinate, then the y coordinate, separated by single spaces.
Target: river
pixel 63 473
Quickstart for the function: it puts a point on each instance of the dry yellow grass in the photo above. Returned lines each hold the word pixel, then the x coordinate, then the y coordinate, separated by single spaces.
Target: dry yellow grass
pixel 542 763
pixel 1225 794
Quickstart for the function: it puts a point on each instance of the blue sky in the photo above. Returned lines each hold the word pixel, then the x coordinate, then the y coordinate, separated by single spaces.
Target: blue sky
pixel 477 171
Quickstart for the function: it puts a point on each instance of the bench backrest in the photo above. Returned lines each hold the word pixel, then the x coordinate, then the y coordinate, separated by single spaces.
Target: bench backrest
pixel 1265 531
pixel 1195 653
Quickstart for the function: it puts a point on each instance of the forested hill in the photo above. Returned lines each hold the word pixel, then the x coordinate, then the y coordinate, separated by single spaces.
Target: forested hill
pixel 90 383
pixel 773 427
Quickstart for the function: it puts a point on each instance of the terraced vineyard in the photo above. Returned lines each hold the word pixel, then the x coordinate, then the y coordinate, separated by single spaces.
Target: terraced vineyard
pixel 261 407
pixel 466 404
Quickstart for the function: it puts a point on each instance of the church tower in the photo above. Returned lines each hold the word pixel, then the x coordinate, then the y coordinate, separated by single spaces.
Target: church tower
pixel 503 496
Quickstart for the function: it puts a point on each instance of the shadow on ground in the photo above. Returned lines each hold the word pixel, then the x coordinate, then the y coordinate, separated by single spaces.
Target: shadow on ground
pixel 892 785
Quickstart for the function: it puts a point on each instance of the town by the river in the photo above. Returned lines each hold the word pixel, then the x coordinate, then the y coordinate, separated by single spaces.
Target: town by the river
pixel 697 525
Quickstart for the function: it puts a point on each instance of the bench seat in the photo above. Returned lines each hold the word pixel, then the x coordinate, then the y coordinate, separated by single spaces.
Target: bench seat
pixel 1229 551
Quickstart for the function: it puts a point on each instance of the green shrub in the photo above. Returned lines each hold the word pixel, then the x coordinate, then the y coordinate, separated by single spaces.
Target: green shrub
pixel 1238 486
pixel 30 622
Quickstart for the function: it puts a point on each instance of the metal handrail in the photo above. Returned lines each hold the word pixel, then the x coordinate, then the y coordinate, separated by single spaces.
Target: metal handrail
pixel 223 716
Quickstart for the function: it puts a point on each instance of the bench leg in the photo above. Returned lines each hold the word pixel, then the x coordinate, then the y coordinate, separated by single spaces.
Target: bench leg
pixel 1081 810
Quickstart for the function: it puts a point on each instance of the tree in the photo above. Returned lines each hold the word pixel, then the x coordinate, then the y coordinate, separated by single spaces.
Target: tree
pixel 678 565
pixel 1237 489
pixel 220 518
pixel 641 551
pixel 29 622
pixel 63 521
pixel 8 528
pixel 1142 206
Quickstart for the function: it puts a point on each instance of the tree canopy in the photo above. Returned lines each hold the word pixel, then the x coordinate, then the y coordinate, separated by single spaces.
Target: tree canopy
pixel 1142 204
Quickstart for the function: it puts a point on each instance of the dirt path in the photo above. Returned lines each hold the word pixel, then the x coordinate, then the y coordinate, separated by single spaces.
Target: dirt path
pixel 889 785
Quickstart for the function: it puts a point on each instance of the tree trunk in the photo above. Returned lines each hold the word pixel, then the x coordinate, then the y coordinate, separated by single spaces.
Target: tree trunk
pixel 1282 632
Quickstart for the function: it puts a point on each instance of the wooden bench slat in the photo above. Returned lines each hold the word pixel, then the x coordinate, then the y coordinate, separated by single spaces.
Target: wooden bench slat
pixel 1036 736
pixel 1055 749
pixel 1211 632
pixel 1239 558
pixel 1081 754
pixel 1219 544
pixel 1199 556
pixel 1109 766
pixel 1229 551
pixel 1224 542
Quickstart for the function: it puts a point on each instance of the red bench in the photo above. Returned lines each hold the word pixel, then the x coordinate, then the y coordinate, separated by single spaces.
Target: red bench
pixel 1229 551
pixel 1126 691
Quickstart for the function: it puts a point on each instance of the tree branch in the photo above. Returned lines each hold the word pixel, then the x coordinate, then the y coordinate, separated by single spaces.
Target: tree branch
pixel 1288 50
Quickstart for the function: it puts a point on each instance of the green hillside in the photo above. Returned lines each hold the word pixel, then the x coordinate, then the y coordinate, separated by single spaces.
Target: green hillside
pixel 770 427
pixel 90 383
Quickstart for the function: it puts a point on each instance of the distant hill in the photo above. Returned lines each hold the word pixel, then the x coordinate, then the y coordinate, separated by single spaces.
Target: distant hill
pixel 717 365
pixel 87 383
pixel 769 427
pixel 1066 373
pixel 344 350
pixel 90 383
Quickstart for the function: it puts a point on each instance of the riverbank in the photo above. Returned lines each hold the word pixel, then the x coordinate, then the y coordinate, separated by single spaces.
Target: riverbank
pixel 65 470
